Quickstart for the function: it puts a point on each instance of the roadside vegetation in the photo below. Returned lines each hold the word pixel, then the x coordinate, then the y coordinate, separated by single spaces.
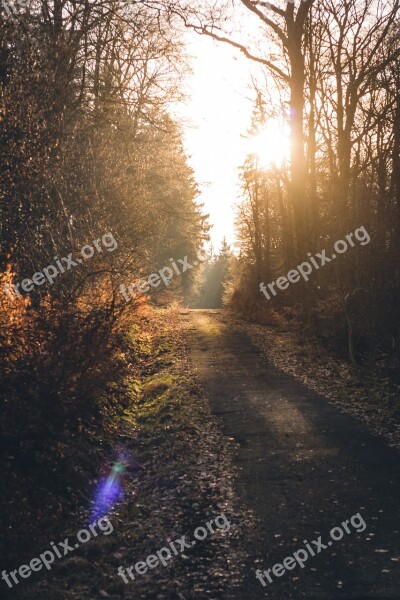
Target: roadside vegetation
pixel 178 476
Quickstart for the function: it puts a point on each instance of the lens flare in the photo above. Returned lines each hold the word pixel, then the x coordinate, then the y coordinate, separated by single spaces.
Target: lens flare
pixel 109 492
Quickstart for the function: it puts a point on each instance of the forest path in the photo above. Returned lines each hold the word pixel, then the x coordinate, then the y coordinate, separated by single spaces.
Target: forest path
pixel 304 468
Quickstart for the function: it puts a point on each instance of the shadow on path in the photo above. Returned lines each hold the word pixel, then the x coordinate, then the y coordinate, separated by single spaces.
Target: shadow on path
pixel 304 468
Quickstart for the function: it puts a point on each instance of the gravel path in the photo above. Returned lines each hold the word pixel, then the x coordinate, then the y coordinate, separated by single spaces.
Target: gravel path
pixel 304 468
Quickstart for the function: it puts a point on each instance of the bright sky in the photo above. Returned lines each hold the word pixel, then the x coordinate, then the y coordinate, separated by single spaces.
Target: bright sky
pixel 215 117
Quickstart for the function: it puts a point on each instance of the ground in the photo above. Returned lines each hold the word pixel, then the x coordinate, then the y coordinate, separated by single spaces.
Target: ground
pixel 305 467
pixel 209 425
pixel 179 476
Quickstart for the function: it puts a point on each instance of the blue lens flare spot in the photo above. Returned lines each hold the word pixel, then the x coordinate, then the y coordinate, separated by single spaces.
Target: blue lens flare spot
pixel 109 492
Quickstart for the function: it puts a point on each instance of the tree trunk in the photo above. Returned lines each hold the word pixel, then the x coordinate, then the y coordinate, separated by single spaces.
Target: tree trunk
pixel 297 156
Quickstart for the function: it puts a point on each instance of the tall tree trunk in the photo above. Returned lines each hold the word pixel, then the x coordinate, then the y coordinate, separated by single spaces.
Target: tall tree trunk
pixel 297 155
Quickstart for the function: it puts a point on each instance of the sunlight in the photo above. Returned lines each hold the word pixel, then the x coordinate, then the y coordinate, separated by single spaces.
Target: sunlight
pixel 215 116
pixel 271 145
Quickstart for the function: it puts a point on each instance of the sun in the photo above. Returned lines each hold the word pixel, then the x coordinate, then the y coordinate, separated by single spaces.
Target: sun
pixel 271 145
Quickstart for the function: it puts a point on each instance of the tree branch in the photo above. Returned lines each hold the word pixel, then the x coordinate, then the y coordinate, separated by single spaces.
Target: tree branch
pixel 253 8
pixel 243 49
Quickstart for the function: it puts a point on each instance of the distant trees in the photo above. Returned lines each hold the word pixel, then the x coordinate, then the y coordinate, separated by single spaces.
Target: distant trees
pixel 214 279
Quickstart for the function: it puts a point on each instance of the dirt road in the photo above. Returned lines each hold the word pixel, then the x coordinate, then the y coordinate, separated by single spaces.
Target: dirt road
pixel 304 468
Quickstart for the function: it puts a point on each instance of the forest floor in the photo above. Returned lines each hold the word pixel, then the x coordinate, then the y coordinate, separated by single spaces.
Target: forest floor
pixel 304 466
pixel 179 476
pixel 208 425
pixel 371 394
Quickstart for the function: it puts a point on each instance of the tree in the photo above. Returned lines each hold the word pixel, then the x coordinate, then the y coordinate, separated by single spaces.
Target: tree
pixel 287 28
pixel 87 148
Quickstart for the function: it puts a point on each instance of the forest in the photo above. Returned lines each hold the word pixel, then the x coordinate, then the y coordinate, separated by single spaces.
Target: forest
pixel 162 378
